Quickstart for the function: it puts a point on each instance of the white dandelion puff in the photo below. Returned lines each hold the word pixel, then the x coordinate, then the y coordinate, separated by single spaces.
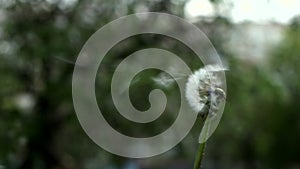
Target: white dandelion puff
pixel 204 88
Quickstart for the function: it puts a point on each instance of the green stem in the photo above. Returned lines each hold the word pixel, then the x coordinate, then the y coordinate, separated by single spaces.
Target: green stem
pixel 201 148
pixel 199 156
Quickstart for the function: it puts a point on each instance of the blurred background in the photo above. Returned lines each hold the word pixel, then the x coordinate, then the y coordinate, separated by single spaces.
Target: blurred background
pixel 258 40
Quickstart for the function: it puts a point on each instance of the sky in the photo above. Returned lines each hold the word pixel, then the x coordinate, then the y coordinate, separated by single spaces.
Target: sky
pixel 261 11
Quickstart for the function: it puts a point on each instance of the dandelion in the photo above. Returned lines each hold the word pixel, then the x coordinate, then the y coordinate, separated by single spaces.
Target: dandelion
pixel 203 90
pixel 204 94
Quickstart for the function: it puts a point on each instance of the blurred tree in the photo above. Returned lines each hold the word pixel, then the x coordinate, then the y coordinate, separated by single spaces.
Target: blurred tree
pixel 261 115
pixel 39 43
pixel 284 149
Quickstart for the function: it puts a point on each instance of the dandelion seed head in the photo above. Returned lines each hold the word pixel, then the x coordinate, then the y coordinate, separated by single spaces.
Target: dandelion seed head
pixel 203 86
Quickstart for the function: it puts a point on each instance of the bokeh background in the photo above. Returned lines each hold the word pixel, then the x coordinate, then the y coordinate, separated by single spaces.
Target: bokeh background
pixel 258 40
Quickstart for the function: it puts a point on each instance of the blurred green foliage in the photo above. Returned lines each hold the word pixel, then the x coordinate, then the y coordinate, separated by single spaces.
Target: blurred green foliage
pixel 39 42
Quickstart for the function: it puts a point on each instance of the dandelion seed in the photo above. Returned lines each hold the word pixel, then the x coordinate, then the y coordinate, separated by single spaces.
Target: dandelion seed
pixel 166 80
pixel 163 80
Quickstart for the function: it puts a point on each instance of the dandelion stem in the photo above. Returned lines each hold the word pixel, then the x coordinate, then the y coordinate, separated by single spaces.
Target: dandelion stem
pixel 199 156
pixel 201 148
